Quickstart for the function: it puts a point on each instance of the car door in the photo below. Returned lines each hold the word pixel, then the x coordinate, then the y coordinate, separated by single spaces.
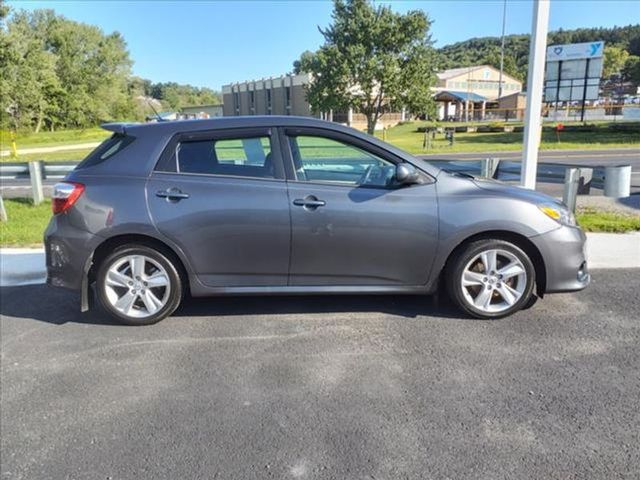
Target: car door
pixel 351 223
pixel 221 197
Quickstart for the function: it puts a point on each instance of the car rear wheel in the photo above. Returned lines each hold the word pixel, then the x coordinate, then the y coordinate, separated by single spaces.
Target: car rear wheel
pixel 138 285
pixel 491 278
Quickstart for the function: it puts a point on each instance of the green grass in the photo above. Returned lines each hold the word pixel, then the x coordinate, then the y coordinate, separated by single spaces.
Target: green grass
pixel 26 222
pixel 592 220
pixel 50 139
pixel 407 138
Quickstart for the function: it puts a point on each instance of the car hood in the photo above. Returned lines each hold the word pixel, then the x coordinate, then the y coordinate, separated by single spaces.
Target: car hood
pixel 497 187
pixel 513 191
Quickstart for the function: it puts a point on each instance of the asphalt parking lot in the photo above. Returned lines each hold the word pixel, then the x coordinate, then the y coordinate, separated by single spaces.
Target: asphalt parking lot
pixel 324 387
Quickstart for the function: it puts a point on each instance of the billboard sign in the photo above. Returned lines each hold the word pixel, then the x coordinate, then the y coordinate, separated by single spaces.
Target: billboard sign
pixel 575 51
pixel 573 72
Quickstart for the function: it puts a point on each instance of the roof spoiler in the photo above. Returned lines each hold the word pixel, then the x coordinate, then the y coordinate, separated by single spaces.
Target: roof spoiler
pixel 115 127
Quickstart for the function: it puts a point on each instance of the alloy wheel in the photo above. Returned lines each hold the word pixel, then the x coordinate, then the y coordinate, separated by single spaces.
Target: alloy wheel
pixel 493 281
pixel 137 286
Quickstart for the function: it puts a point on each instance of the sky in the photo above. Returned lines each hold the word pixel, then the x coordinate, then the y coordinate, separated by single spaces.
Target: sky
pixel 211 43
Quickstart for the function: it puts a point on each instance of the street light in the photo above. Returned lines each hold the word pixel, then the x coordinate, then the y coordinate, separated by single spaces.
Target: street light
pixel 535 79
pixel 504 22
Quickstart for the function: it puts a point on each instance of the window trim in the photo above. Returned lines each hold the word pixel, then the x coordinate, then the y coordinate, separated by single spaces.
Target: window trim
pixel 346 139
pixel 165 165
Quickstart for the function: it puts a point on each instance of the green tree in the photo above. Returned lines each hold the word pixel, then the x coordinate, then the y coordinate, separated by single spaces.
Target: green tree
pixel 372 59
pixel 94 69
pixel 631 70
pixel 57 72
pixel 175 96
pixel 614 60
pixel 486 50
pixel 29 82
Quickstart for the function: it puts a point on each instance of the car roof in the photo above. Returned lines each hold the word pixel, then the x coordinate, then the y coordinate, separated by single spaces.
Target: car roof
pixel 177 126
pixel 159 132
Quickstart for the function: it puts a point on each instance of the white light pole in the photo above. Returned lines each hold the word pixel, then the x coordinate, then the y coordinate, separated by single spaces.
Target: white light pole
pixel 535 79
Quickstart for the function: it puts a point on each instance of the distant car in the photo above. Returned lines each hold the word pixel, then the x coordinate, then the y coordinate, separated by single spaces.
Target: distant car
pixel 286 205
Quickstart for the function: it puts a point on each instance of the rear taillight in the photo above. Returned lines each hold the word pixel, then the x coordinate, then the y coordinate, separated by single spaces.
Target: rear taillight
pixel 65 194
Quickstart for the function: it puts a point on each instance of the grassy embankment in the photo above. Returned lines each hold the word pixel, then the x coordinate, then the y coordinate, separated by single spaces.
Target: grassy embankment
pixel 408 138
pixel 404 136
pixel 28 140
pixel 27 222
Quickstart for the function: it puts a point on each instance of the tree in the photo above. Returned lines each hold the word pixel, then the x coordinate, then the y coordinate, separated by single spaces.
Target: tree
pixel 29 80
pixel 59 72
pixel 372 59
pixel 631 70
pixel 614 60
pixel 176 96
pixel 486 50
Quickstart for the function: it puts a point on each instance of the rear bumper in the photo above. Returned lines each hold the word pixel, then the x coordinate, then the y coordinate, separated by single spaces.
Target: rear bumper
pixel 564 254
pixel 68 252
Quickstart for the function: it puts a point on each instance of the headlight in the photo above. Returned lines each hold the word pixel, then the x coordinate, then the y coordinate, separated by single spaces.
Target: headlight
pixel 559 213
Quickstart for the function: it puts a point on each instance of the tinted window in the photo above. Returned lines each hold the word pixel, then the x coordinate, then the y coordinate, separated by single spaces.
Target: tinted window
pixel 107 149
pixel 246 157
pixel 318 159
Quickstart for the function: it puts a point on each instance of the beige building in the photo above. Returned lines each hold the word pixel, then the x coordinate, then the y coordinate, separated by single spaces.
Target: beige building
pixel 466 92
pixel 513 106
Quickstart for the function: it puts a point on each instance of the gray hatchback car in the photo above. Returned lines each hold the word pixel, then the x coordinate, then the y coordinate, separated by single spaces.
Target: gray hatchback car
pixel 286 205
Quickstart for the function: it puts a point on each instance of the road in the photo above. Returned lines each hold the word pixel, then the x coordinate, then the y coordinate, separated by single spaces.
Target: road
pixel 55 148
pixel 587 158
pixel 10 188
pixel 324 388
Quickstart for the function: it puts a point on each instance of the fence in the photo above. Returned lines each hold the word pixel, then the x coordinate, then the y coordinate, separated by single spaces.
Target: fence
pixel 35 172
pixel 615 180
pixel 564 113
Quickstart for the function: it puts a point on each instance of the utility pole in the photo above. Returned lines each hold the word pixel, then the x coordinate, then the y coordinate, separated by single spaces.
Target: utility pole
pixel 535 79
pixel 504 23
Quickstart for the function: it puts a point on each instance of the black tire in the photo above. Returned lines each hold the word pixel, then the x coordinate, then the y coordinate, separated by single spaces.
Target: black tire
pixel 176 285
pixel 456 266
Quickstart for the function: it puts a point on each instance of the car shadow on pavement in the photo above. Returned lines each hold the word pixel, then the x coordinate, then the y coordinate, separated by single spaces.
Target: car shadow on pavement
pixel 56 306
pixel 410 306
pixel 632 201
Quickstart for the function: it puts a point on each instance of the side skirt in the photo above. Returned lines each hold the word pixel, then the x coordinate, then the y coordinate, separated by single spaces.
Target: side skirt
pixel 202 291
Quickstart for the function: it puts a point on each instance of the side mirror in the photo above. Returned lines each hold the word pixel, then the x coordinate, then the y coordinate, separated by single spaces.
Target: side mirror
pixel 406 174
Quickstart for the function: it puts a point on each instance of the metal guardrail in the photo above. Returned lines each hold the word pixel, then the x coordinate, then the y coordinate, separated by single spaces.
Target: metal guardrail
pixel 49 170
pixel 615 181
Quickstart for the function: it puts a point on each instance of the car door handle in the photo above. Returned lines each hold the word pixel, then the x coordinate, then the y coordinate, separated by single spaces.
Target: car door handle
pixel 309 202
pixel 172 194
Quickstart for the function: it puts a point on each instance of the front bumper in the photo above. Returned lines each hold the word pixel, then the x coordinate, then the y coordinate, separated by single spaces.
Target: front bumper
pixel 564 254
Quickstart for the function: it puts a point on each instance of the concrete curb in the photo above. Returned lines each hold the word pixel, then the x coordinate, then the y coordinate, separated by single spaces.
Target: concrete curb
pixel 26 266
pixel 613 250
pixel 22 266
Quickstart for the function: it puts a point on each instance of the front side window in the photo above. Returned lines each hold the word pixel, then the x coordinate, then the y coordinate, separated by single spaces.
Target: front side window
pixel 325 160
pixel 242 157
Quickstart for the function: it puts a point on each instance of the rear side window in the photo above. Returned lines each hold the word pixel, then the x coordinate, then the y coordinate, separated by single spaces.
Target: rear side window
pixel 107 149
pixel 245 157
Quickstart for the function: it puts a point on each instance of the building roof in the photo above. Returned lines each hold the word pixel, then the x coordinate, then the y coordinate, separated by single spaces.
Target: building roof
pixel 462 96
pixel 455 72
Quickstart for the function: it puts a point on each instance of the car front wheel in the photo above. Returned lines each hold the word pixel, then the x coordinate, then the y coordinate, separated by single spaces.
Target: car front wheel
pixel 138 285
pixel 491 278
